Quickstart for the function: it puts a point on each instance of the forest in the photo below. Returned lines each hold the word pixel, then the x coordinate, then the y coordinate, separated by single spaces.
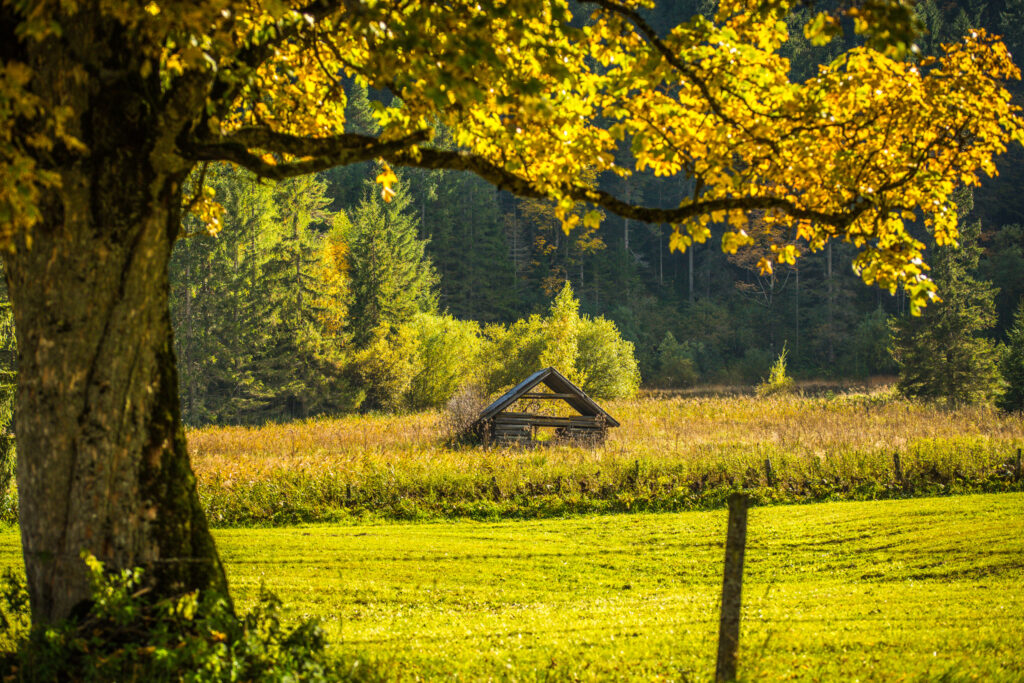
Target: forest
pixel 317 297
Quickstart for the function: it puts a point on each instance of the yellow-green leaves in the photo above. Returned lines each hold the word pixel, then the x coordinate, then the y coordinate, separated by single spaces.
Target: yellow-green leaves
pixel 386 178
pixel 542 106
pixel 821 29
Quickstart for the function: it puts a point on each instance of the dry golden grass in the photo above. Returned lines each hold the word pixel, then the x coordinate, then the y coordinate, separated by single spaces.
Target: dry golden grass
pixel 666 442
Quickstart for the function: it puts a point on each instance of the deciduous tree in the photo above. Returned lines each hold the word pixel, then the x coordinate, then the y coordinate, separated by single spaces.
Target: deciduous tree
pixel 107 106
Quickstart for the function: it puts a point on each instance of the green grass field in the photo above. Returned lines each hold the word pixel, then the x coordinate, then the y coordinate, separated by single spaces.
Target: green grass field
pixel 891 590
pixel 875 591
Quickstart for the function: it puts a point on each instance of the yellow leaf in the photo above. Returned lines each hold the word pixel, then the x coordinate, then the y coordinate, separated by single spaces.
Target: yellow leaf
pixel 592 219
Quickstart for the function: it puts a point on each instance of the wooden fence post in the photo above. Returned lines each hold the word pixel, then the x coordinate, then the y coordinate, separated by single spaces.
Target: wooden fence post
pixel 732 588
pixel 1016 467
pixel 897 467
pixel 769 471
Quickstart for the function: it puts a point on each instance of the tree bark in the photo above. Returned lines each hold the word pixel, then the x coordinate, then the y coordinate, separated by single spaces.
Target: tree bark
pixel 102 461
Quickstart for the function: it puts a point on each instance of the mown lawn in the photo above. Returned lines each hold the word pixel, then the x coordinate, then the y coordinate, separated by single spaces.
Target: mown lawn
pixel 921 589
pixel 888 590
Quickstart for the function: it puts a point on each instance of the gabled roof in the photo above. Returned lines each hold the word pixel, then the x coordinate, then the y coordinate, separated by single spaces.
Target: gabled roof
pixel 558 383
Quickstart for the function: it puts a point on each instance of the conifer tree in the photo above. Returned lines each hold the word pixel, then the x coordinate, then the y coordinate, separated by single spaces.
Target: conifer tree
pixel 294 368
pixel 216 292
pixel 257 308
pixel 344 183
pixel 478 283
pixel 675 364
pixel 391 277
pixel 1012 365
pixel 940 354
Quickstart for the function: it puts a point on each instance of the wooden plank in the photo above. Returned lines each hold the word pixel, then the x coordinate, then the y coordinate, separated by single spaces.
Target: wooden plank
pixel 538 395
pixel 549 421
pixel 525 417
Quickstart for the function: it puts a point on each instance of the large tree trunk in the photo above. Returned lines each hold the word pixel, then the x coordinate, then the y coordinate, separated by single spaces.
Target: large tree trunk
pixel 102 463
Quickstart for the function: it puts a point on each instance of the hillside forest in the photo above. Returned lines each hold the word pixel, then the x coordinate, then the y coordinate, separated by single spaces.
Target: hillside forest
pixel 318 297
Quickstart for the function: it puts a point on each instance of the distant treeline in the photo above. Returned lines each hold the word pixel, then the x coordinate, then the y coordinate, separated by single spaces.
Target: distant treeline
pixel 294 309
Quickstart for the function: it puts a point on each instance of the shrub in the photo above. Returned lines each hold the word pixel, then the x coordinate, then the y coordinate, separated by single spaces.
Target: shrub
pixel 461 412
pixel 676 366
pixel 750 368
pixel 513 352
pixel 871 353
pixel 589 351
pixel 778 381
pixel 124 635
pixel 448 356
pixel 606 364
pixel 562 335
pixel 386 367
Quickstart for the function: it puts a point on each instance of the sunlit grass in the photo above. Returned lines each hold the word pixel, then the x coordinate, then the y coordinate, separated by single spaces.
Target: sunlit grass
pixel 877 591
pixel 669 454
pixel 923 589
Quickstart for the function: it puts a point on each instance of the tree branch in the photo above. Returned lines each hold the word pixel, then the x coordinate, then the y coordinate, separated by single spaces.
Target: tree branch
pixel 322 153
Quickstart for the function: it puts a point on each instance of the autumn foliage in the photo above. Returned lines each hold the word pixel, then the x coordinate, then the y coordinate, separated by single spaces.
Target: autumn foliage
pixel 541 104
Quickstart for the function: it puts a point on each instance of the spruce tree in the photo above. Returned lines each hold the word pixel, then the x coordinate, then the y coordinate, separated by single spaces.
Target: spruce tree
pixel 292 373
pixel 1012 365
pixel 257 307
pixel 215 291
pixel 477 283
pixel 391 277
pixel 941 354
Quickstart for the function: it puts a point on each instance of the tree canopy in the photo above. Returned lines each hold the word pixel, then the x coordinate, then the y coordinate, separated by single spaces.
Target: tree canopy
pixel 540 101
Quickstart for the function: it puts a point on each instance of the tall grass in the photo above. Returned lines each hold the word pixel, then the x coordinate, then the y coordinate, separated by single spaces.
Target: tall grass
pixel 669 454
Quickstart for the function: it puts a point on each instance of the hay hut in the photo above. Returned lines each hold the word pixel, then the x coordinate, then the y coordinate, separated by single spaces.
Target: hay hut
pixel 498 423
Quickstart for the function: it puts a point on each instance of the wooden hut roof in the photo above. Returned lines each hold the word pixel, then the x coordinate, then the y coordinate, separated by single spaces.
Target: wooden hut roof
pixel 558 384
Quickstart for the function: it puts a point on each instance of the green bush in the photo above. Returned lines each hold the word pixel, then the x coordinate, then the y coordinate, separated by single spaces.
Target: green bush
pixel 386 367
pixel 871 355
pixel 126 636
pixel 606 364
pixel 676 365
pixel 448 356
pixel 778 381
pixel 513 352
pixel 589 351
pixel 562 335
pixel 750 368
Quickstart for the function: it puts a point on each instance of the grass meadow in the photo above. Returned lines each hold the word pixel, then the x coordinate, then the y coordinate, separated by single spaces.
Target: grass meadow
pixel 670 454
pixel 883 575
pixel 916 589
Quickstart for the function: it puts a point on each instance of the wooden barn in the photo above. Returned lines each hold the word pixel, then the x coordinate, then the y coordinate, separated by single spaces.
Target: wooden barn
pixel 498 423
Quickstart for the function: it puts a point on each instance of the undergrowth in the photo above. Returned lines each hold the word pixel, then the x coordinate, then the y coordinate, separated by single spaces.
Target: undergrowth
pixel 122 634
